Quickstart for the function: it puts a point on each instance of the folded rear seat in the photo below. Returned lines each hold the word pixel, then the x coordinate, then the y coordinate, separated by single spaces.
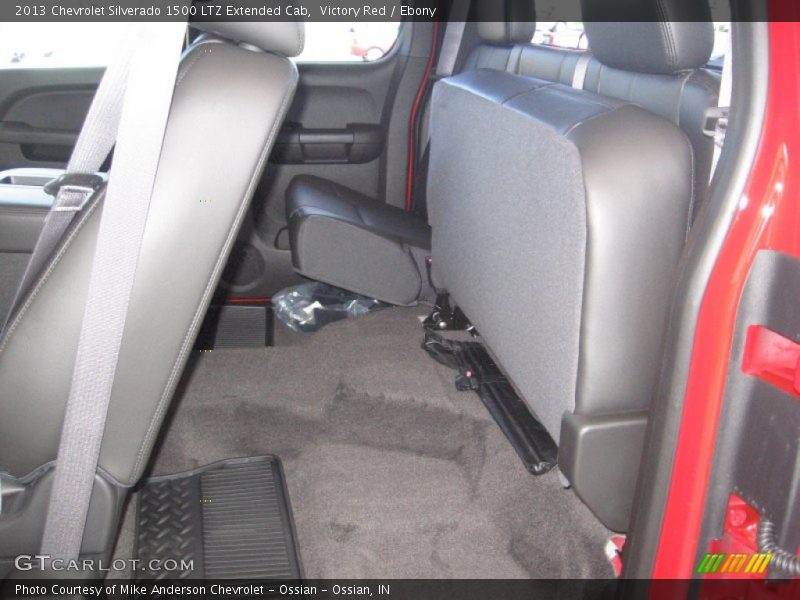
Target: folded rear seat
pixel 681 97
pixel 559 216
pixel 342 237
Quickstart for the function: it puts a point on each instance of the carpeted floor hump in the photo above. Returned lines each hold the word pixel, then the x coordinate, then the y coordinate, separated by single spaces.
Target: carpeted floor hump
pixel 390 471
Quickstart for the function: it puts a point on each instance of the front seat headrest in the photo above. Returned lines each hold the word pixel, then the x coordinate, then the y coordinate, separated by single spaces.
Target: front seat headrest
pixel 281 37
pixel 649 36
pixel 505 23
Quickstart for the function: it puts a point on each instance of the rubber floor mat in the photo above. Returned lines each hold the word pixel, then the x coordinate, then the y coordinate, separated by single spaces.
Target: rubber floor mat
pixel 227 520
pixel 230 326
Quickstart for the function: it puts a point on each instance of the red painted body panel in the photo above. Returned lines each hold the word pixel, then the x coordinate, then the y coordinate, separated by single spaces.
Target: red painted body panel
pixel 772 358
pixel 768 218
pixel 739 537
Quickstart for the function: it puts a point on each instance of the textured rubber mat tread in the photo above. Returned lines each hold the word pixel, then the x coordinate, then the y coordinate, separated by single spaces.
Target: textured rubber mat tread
pixel 230 326
pixel 228 520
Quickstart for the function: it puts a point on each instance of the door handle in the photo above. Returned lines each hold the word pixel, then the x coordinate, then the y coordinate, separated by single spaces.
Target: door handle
pixel 356 143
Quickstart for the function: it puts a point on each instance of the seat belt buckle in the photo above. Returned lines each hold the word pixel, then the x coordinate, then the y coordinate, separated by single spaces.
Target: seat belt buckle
pixel 87 183
pixel 715 121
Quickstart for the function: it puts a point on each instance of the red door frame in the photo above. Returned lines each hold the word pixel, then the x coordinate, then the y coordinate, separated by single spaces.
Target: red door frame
pixel 768 217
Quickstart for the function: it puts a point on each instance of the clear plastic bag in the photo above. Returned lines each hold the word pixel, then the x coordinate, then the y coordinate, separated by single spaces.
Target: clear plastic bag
pixel 310 306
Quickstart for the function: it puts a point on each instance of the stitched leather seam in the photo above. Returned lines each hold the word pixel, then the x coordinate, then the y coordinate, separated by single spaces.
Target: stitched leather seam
pixel 600 80
pixel 692 186
pixel 519 94
pixel 666 35
pixel 574 126
pixel 301 38
pixel 679 105
pixel 185 69
pixel 470 90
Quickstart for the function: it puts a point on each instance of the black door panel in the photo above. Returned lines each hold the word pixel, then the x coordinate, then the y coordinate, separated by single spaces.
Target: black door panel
pixel 41 113
pixel 327 100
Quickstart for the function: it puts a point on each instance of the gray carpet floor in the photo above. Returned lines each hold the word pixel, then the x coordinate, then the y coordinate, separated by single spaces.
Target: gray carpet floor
pixel 391 471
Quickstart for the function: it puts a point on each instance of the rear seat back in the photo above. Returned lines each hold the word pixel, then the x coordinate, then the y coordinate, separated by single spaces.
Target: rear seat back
pixel 507 204
pixel 558 218
pixel 680 97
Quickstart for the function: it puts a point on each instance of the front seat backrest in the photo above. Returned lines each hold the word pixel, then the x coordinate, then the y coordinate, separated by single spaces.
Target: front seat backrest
pixel 231 95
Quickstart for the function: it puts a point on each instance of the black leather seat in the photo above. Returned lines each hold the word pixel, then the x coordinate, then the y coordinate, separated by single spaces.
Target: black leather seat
pixel 681 96
pixel 345 238
pixel 559 216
